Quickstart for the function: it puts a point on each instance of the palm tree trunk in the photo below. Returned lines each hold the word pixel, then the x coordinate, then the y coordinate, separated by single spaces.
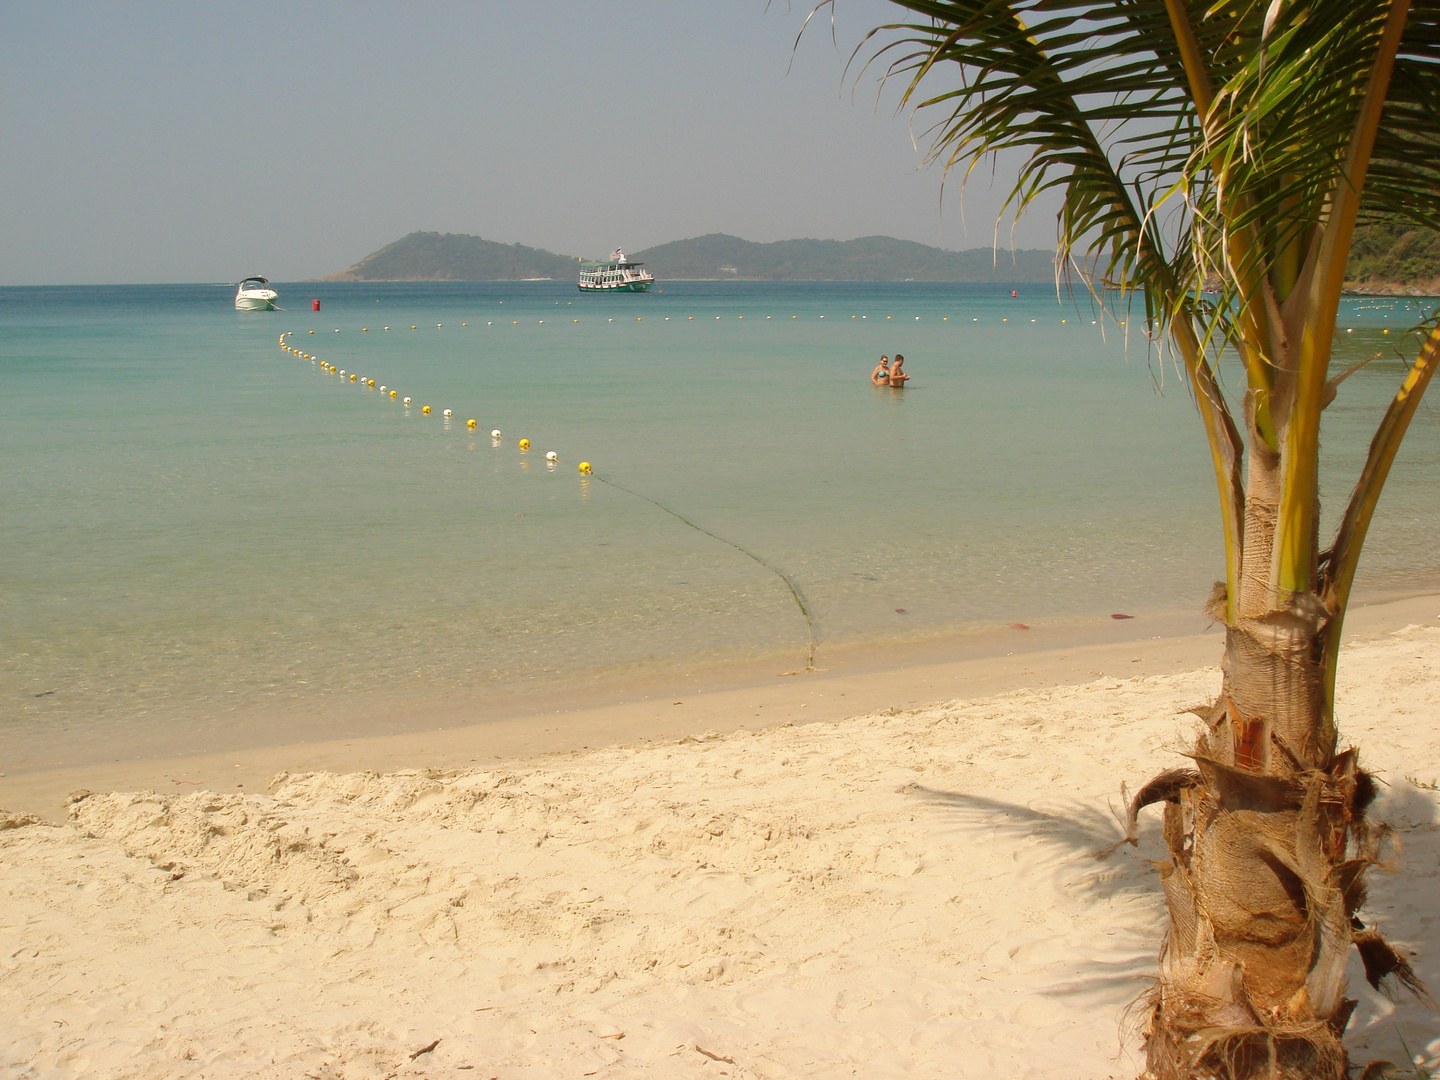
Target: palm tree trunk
pixel 1267 842
pixel 1252 972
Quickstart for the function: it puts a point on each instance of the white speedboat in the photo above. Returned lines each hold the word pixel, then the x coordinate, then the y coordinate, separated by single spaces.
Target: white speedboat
pixel 615 274
pixel 255 294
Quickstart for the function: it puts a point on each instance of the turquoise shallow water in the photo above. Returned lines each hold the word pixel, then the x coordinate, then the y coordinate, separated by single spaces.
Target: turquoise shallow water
pixel 202 533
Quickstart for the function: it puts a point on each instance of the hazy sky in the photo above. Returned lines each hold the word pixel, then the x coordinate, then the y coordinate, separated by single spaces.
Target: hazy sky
pixel 154 142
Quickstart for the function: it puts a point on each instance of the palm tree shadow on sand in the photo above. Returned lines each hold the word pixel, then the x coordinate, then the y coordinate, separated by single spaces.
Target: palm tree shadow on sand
pixel 1088 860
pixel 1402 905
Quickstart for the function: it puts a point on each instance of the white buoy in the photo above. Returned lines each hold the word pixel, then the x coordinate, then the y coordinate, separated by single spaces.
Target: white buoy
pixel 407 401
pixel 383 389
pixel 495 434
pixel 447 414
pixel 551 455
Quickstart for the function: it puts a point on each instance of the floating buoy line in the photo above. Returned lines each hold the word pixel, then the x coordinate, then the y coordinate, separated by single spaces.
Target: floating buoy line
pixel 552 459
pixel 958 320
pixel 586 471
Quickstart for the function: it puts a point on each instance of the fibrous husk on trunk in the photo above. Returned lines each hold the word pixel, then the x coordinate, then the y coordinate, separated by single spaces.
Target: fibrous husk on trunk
pixel 1268 847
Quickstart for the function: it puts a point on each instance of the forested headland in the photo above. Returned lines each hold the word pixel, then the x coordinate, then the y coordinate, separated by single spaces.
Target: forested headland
pixel 1384 259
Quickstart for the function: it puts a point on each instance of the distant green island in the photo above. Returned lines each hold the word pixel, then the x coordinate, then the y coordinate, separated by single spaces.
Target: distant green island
pixel 1396 260
pixel 1384 259
pixel 429 256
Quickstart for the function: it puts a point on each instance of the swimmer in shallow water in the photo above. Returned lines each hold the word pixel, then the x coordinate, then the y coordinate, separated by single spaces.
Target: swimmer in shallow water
pixel 881 375
pixel 898 378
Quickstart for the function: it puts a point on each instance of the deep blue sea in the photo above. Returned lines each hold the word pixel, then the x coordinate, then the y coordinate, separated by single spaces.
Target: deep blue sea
pixel 203 535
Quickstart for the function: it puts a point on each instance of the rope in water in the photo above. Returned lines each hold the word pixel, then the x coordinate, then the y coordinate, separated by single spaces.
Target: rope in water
pixel 795 592
pixel 587 471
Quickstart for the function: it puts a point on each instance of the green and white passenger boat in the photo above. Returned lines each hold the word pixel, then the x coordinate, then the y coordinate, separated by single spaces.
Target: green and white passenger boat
pixel 615 274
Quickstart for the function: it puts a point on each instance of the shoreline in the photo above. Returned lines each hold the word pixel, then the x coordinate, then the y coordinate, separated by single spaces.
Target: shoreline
pixel 902 676
pixel 903 892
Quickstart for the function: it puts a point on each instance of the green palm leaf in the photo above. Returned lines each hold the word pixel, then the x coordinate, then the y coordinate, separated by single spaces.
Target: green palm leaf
pixel 1240 142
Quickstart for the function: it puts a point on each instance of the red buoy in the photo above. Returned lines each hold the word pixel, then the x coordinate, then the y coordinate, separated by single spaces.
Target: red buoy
pixel 1013 292
pixel 314 305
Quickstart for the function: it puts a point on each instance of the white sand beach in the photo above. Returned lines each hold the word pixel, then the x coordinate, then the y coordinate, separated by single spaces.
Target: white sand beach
pixel 904 893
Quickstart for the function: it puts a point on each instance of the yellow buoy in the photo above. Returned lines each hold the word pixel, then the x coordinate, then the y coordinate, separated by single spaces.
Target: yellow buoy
pixel 353 377
pixel 585 467
pixel 392 393
pixel 524 444
pixel 364 329
pixel 464 324
pixel 370 383
pixel 470 424
pixel 412 326
pixel 425 409
pixel 312 331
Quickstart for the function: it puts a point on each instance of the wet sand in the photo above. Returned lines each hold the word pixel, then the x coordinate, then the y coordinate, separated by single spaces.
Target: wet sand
pixel 896 676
